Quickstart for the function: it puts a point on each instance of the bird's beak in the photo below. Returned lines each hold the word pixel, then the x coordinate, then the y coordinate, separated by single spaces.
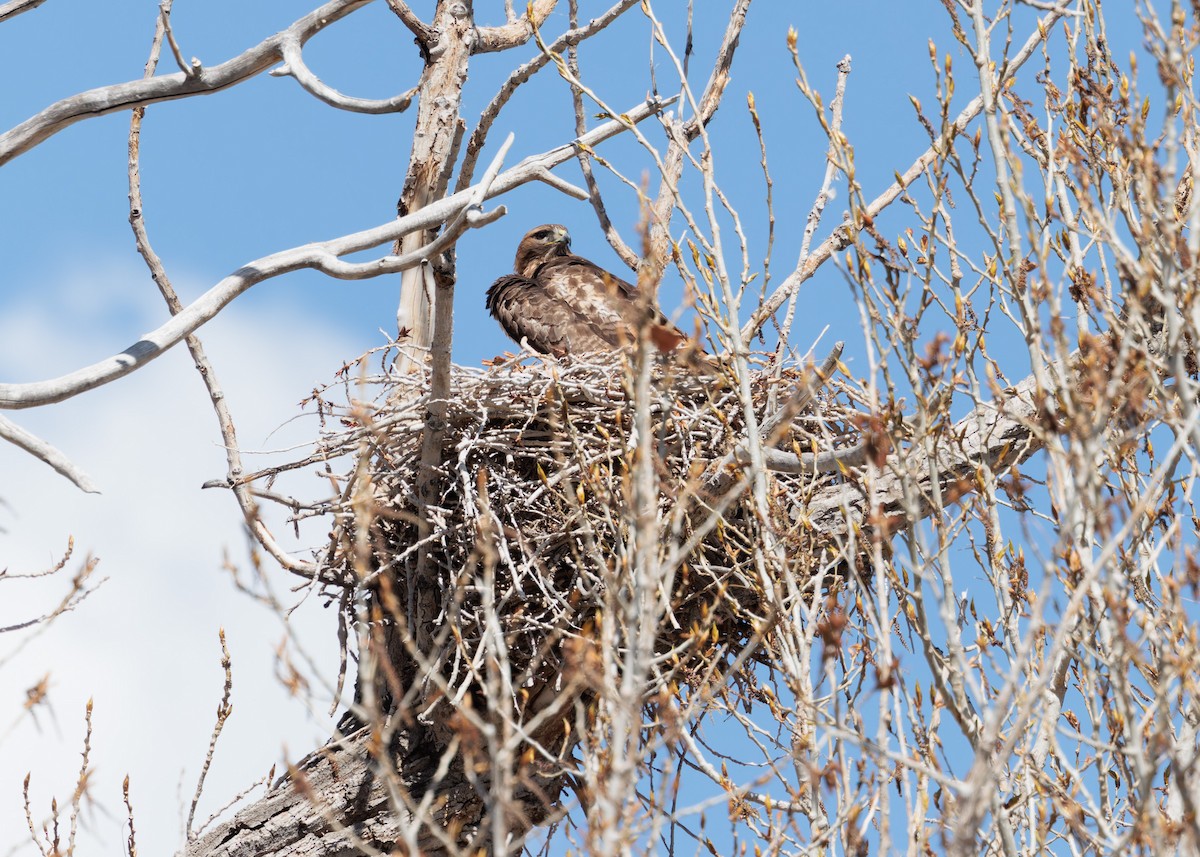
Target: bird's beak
pixel 561 236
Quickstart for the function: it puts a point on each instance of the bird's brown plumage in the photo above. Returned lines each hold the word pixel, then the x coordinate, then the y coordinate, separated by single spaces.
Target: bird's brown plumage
pixel 560 303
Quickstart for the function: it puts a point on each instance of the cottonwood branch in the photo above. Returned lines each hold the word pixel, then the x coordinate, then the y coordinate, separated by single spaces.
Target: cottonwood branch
pixel 572 37
pixel 343 799
pixel 137 220
pixel 434 152
pixel 686 132
pixel 43 451
pixel 295 67
pixel 424 34
pixel 317 256
pixel 138 93
pixel 514 33
pixel 13 8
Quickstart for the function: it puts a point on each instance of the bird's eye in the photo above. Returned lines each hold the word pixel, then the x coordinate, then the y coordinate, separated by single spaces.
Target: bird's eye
pixel 542 234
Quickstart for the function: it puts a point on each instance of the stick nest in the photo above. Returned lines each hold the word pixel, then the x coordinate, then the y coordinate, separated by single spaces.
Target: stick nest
pixel 529 511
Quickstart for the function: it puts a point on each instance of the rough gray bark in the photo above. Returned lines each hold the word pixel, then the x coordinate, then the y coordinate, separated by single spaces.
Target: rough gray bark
pixel 340 801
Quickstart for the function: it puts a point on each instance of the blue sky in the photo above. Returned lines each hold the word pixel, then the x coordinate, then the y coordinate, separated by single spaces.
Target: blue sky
pixel 233 176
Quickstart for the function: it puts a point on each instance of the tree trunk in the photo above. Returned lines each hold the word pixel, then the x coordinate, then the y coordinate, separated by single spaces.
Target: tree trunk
pixel 342 800
pixel 435 145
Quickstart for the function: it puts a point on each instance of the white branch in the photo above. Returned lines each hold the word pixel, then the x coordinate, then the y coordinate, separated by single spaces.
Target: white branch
pixel 423 32
pixel 13 8
pixel 318 256
pixel 779 461
pixel 472 216
pixel 38 448
pixel 295 67
pixel 138 93
pixel 544 175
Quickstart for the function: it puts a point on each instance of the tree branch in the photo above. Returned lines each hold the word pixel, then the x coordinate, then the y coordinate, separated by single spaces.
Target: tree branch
pixel 43 451
pixel 295 67
pixel 203 81
pixel 158 272
pixel 520 76
pixel 13 8
pixel 514 33
pixel 206 307
pixel 685 132
pixel 424 33
pixel 996 433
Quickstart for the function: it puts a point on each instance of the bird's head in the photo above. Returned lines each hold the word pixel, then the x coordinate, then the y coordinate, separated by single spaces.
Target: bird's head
pixel 540 244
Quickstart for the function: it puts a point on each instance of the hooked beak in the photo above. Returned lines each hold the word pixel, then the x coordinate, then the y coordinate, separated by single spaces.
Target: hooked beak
pixel 561 236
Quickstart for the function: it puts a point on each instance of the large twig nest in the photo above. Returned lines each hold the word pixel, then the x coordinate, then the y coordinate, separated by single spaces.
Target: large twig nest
pixel 528 516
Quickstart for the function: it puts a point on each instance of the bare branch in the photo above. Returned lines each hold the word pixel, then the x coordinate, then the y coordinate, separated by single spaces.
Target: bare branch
pixel 13 8
pixel 832 461
pixel 834 156
pixel 224 709
pixel 137 221
pixel 627 254
pixel 522 74
pixel 559 183
pixel 995 434
pixel 125 96
pixel 798 401
pixel 164 23
pixel 43 451
pixel 424 33
pixel 685 132
pixel 514 33
pixel 131 839
pixel 295 67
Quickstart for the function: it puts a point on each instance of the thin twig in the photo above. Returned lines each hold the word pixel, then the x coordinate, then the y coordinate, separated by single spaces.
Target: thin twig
pixel 81 784
pixel 834 160
pixel 137 221
pixel 523 73
pixel 623 250
pixel 164 23
pixel 131 839
pixel 841 237
pixel 224 709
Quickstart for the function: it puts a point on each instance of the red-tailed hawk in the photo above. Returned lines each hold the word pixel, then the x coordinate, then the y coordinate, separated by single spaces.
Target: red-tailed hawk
pixel 560 303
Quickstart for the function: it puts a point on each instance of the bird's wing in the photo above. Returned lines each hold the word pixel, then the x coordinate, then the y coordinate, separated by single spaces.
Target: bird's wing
pixel 609 303
pixel 529 311
pixel 604 307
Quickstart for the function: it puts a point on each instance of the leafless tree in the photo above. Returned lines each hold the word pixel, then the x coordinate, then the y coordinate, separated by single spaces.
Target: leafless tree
pixel 944 603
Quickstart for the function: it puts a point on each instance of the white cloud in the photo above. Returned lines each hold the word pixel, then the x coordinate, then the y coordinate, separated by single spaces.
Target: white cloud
pixel 145 645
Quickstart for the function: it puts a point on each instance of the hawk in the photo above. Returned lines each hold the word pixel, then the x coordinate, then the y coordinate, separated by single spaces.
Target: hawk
pixel 559 303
